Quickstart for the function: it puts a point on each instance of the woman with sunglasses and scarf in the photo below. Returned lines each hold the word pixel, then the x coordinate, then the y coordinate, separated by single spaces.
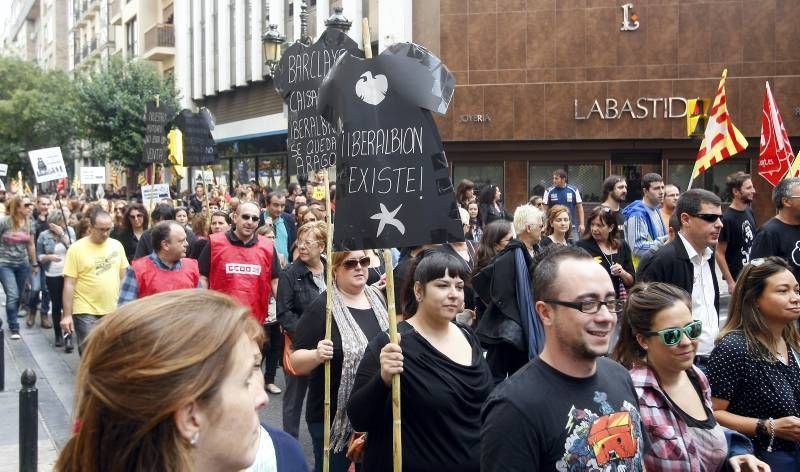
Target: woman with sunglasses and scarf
pixel 17 255
pixel 359 314
pixel 657 343
pixel 754 369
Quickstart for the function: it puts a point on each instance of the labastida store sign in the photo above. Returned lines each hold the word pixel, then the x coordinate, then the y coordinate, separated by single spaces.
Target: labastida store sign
pixel 638 109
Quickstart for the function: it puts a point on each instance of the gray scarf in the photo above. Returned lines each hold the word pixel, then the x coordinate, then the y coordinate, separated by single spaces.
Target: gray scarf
pixel 354 343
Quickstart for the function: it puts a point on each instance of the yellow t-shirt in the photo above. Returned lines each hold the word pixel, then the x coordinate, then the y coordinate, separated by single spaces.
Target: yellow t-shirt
pixel 96 268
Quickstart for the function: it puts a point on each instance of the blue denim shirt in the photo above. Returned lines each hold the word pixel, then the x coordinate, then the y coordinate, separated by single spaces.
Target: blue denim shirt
pixel 46 244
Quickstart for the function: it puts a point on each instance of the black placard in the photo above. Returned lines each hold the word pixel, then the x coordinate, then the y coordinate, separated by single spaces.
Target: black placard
pixel 199 147
pixel 393 187
pixel 156 118
pixel 312 143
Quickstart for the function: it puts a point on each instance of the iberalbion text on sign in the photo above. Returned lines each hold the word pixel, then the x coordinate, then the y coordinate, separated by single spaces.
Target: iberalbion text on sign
pixel 242 269
pixel 637 109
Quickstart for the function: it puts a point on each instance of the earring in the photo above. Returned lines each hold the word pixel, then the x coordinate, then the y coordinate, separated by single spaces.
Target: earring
pixel 195 437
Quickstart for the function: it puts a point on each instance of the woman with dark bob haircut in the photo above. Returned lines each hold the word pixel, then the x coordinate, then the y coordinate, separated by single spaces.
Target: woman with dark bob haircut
pixel 658 341
pixel 755 370
pixel 151 397
pixel 445 378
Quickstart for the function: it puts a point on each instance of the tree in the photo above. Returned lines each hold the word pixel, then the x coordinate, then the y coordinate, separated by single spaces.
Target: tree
pixel 37 110
pixel 111 102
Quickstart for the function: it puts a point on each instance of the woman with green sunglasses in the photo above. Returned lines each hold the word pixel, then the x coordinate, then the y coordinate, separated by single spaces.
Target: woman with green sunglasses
pixel 658 341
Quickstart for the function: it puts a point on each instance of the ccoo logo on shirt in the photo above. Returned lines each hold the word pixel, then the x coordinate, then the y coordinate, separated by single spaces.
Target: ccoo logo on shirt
pixel 242 269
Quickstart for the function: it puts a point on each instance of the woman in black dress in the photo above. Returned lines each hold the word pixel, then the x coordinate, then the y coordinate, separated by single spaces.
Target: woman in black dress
pixel 489 206
pixel 445 379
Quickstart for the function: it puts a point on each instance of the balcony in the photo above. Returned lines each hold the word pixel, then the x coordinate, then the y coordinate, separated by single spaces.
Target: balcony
pixel 159 43
pixel 115 12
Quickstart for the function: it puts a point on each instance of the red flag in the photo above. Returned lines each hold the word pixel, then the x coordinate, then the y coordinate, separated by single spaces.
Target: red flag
pixel 775 155
pixel 62 184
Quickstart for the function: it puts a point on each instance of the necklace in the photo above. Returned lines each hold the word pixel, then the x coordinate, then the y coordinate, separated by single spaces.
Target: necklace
pixel 609 257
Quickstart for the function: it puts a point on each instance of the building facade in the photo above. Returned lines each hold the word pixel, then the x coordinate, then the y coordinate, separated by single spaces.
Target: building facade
pixel 599 87
pixel 37 31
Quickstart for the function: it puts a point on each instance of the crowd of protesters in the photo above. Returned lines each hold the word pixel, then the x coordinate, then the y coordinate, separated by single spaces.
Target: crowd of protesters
pixel 554 338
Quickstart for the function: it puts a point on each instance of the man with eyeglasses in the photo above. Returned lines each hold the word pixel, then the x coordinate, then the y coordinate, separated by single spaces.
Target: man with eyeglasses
pixel 687 262
pixel 780 236
pixel 93 271
pixel 571 408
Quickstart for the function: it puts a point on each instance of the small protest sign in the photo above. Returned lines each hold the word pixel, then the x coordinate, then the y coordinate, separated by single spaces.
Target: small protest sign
pixel 393 187
pixel 199 148
pixel 311 141
pixel 153 194
pixel 48 164
pixel 156 118
pixel 3 170
pixel 93 175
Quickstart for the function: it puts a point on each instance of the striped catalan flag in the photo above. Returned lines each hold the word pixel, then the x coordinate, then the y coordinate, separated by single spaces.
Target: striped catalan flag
pixel 721 139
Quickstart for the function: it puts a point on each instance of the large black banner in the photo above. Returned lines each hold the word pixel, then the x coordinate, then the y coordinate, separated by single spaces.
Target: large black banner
pixel 393 187
pixel 312 142
pixel 199 148
pixel 156 118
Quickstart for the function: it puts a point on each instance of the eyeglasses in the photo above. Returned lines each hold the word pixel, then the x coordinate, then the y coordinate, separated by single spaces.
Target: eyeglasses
pixel 590 307
pixel 672 336
pixel 351 264
pixel 249 217
pixel 708 217
pixel 312 243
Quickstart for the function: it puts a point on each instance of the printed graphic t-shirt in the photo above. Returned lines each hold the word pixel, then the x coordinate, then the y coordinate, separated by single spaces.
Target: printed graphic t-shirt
pixel 776 238
pixel 542 419
pixel 738 229
pixel 14 244
pixel 96 268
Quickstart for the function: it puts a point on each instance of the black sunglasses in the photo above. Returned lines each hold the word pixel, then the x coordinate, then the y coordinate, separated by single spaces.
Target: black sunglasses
pixel 590 307
pixel 709 217
pixel 672 336
pixel 351 264
pixel 249 217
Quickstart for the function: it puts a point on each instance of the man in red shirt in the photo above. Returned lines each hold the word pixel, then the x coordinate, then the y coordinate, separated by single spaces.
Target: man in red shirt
pixel 166 268
pixel 241 263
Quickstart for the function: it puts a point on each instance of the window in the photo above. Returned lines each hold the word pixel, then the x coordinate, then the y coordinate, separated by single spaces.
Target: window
pixel 678 172
pixel 131 41
pixel 586 178
pixel 480 173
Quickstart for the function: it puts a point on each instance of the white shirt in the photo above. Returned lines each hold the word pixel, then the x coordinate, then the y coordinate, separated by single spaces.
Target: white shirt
pixel 703 308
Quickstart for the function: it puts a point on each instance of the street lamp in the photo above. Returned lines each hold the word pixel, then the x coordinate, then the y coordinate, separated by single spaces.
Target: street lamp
pixel 338 20
pixel 271 42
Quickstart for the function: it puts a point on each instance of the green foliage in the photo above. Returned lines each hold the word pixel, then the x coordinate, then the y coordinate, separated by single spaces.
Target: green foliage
pixel 37 110
pixel 111 108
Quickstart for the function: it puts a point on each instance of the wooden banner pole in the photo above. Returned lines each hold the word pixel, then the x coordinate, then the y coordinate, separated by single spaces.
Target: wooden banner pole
pixel 397 423
pixel 326 421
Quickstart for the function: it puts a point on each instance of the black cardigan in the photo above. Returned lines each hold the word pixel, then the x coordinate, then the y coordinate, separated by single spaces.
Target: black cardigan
pixel 296 291
pixel 671 264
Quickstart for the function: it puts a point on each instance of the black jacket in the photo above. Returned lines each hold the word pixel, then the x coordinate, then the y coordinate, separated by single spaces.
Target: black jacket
pixel 488 213
pixel 671 264
pixel 296 291
pixel 494 284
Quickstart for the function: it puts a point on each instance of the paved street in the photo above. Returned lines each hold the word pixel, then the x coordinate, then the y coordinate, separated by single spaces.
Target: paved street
pixel 55 372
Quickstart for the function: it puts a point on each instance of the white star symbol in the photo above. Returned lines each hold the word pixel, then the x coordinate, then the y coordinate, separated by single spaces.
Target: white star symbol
pixel 386 217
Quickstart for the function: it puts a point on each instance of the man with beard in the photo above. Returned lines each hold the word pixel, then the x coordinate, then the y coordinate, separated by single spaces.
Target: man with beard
pixel 557 412
pixel 738 228
pixel 686 262
pixel 780 236
pixel 615 191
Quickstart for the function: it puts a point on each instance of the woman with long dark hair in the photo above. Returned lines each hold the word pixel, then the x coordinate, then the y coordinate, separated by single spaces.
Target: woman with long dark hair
pixel 489 206
pixel 135 221
pixel 658 341
pixel 445 378
pixel 17 255
pixel 602 240
pixel 495 237
pixel 755 368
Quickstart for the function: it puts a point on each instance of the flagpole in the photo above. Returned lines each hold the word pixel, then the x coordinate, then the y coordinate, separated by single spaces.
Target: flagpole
pixel 326 420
